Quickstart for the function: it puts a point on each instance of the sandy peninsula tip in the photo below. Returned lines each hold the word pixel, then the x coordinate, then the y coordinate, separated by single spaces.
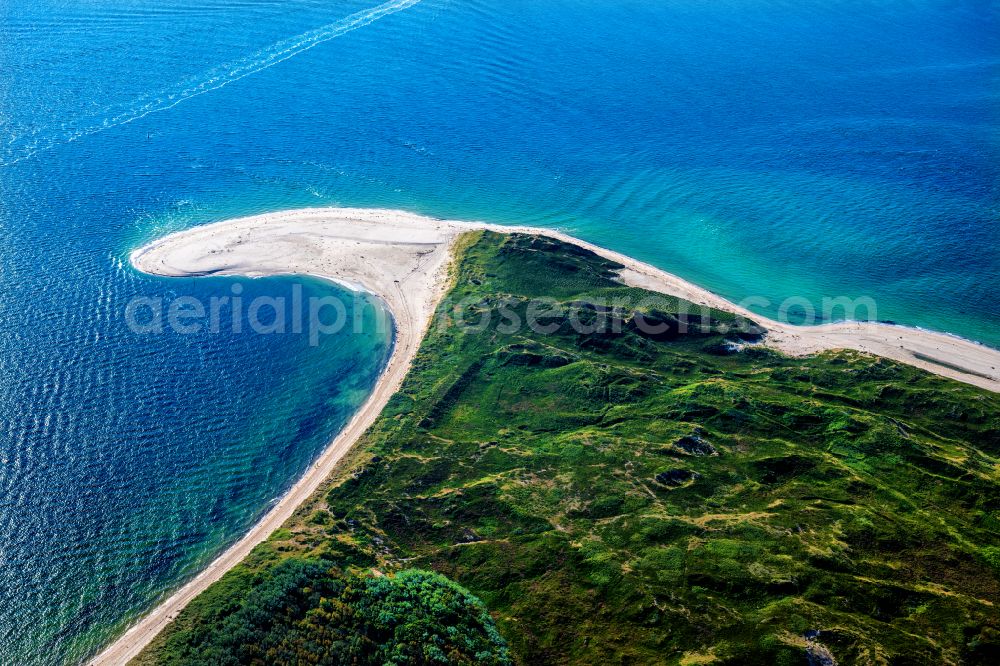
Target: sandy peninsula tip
pixel 402 258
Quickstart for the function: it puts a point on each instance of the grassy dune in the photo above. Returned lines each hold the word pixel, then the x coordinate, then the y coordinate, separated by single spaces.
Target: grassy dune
pixel 611 495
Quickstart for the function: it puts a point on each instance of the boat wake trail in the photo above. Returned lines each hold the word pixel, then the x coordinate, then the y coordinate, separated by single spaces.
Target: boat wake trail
pixel 19 148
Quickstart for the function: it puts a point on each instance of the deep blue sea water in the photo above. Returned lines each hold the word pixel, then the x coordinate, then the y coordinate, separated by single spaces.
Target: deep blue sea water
pixel 759 148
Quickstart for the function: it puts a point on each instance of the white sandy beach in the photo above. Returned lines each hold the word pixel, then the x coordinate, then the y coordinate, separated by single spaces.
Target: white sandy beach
pixel 403 259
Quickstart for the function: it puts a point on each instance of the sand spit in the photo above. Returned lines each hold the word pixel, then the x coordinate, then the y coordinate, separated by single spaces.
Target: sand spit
pixel 402 258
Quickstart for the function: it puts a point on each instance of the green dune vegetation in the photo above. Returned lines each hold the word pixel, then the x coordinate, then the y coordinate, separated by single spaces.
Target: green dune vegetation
pixel 607 494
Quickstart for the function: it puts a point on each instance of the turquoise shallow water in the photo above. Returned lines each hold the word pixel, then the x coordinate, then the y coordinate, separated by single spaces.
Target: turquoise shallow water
pixel 761 149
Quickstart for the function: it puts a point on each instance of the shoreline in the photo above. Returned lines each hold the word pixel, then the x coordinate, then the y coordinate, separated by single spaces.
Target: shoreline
pixel 405 264
pixel 944 354
pixel 406 340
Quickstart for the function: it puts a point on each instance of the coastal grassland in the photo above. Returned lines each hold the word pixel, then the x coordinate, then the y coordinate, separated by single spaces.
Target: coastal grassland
pixel 613 495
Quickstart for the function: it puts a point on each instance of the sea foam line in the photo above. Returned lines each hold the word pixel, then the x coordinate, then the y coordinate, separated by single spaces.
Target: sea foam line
pixel 113 116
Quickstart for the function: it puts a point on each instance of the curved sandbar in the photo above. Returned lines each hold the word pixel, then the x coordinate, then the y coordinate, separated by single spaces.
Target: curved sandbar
pixel 402 258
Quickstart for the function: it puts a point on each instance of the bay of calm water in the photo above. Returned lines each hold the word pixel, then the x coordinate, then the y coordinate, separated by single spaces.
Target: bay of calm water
pixel 766 149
